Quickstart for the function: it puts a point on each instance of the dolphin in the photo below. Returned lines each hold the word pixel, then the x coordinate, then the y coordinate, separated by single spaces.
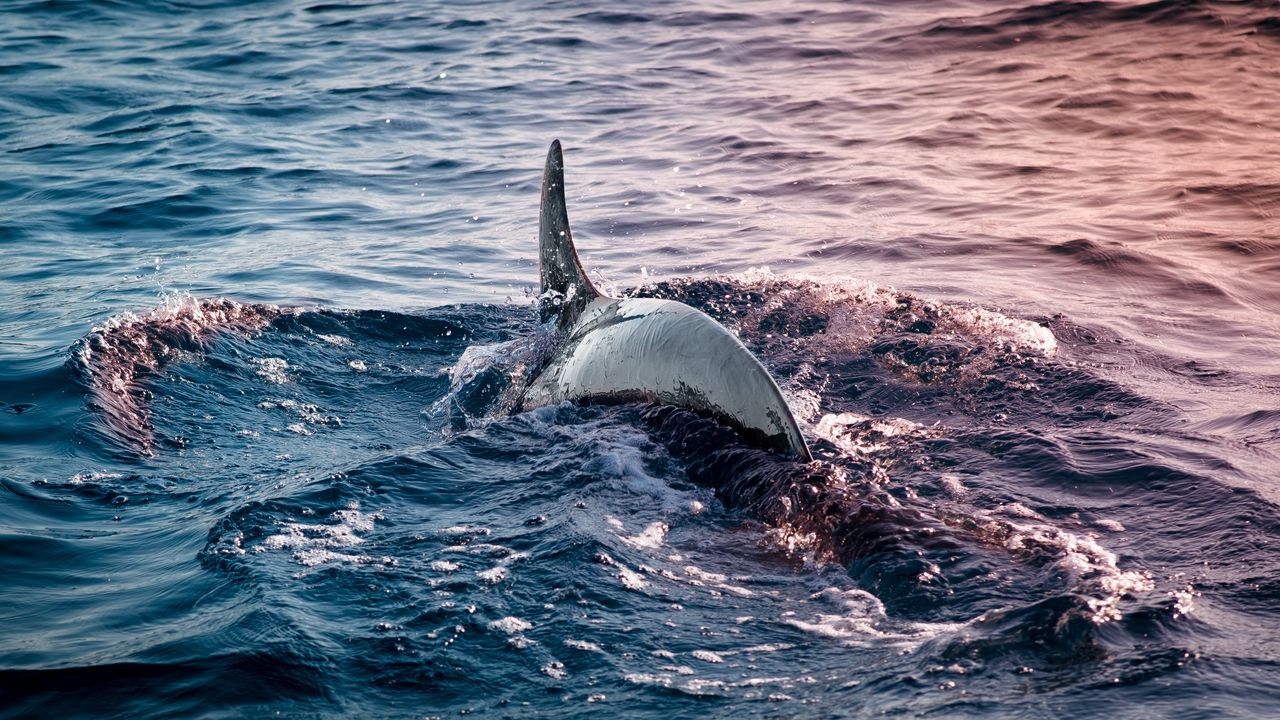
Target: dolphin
pixel 644 349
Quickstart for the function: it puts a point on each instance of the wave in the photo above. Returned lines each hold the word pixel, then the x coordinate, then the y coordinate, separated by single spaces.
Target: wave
pixel 116 359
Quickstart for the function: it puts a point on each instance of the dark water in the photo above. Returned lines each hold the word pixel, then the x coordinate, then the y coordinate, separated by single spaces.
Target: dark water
pixel 266 269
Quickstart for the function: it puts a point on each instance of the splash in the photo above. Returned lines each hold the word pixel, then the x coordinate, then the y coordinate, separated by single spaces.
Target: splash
pixel 916 338
pixel 1084 565
pixel 489 380
pixel 117 357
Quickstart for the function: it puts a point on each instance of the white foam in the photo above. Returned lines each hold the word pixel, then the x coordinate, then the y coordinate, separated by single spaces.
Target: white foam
pixel 691 686
pixel 707 656
pixel 650 538
pixel 1020 510
pixel 319 556
pixel 307 413
pixel 861 619
pixel 862 436
pixel 1087 567
pixel 698 576
pixel 93 476
pixel 272 369
pixel 631 579
pixel 1021 335
pixel 583 645
pixel 1184 601
pixel 316 544
pixel 353 518
pixel 456 530
pixel 768 648
pixel 511 625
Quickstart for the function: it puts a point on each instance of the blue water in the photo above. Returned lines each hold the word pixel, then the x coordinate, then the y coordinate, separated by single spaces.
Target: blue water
pixel 268 269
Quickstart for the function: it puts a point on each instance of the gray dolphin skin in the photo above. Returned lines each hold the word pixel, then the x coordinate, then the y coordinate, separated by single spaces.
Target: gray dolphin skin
pixel 621 350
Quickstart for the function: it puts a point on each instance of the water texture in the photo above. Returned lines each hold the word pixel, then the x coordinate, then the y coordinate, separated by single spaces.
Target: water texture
pixel 268 276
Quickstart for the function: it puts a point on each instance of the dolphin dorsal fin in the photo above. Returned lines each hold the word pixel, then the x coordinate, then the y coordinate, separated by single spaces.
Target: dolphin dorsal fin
pixel 565 287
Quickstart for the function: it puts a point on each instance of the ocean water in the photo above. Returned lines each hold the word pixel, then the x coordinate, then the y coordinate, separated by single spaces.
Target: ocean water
pixel 267 269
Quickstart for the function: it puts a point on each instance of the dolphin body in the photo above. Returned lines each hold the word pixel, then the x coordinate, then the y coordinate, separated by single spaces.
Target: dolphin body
pixel 645 349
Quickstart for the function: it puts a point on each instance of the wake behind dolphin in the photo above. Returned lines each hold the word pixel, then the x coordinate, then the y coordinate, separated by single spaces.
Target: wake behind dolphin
pixel 645 349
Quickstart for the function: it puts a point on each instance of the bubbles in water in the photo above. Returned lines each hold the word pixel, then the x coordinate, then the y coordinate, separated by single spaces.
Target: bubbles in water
pixel 273 370
pixel 315 544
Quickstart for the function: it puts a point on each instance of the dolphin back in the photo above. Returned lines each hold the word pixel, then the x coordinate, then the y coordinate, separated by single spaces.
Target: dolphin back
pixel 665 351
pixel 565 290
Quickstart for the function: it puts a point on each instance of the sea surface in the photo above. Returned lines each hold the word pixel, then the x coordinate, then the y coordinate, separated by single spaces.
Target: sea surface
pixel 267 270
